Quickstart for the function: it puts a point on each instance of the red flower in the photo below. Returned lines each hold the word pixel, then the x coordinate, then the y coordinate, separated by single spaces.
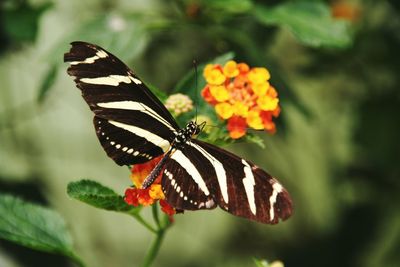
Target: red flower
pixel 167 209
pixel 236 127
pixel 146 197
pixel 131 196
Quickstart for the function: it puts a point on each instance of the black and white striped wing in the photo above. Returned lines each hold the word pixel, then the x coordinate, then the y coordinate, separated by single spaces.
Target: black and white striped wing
pixel 133 126
pixel 202 176
pixel 185 186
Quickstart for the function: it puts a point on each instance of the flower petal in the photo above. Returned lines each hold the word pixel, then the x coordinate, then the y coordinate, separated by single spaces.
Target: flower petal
pixel 224 110
pixel 215 77
pixel 258 75
pixel 156 192
pixel 268 103
pixel 236 127
pixel 230 69
pixel 219 92
pixel 254 120
pixel 240 109
pixel 260 89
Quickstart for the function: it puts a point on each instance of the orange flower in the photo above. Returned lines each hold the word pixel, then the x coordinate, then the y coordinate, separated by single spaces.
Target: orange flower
pixel 214 76
pixel 254 120
pixel 241 97
pixel 145 197
pixel 260 89
pixel 243 68
pixel 266 117
pixel 342 9
pixel 167 208
pixel 236 127
pixel 230 69
pixel 219 92
pixel 139 172
pixel 240 109
pixel 155 192
pixel 224 110
pixel 131 197
pixel 259 75
pixel 267 102
pixel 208 97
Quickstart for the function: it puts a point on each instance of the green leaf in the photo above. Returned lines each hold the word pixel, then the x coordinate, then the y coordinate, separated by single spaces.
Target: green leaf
pixel 97 195
pixel 20 23
pixel 310 22
pixel 35 227
pixel 47 83
pixel 255 139
pixel 260 262
pixel 229 6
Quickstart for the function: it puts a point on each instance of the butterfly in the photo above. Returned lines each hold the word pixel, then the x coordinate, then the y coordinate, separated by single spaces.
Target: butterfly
pixel 133 126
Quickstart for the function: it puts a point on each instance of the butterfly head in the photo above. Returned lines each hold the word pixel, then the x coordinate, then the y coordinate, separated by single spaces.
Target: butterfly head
pixel 190 130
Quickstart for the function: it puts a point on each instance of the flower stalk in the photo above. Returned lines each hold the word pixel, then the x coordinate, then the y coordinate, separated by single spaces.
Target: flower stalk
pixel 159 232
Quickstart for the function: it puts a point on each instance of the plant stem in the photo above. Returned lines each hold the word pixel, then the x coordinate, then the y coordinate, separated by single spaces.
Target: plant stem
pixel 155 215
pixel 144 223
pixel 155 247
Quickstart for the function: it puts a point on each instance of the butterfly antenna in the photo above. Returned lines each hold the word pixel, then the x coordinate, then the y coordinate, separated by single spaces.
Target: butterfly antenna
pixel 196 90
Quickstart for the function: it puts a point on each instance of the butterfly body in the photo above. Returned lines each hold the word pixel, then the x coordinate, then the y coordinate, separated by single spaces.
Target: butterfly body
pixel 133 126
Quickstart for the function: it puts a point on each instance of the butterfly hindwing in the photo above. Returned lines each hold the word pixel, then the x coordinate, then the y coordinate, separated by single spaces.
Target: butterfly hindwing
pixel 131 115
pixel 184 187
pixel 236 185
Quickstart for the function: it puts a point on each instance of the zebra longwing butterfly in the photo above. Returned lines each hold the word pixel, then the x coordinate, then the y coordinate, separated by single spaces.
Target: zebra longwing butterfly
pixel 133 126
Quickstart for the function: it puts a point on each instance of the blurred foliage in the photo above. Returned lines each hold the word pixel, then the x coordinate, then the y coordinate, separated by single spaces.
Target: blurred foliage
pixel 20 21
pixel 35 227
pixel 336 149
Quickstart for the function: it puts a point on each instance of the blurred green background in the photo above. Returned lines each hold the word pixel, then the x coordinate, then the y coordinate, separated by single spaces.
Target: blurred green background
pixel 336 65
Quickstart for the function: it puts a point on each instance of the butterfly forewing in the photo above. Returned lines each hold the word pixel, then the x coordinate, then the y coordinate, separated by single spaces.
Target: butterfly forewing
pixel 132 125
pixel 123 146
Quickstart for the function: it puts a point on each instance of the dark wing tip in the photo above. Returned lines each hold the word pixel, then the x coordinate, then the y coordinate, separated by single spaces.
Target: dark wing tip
pixel 284 205
pixel 80 50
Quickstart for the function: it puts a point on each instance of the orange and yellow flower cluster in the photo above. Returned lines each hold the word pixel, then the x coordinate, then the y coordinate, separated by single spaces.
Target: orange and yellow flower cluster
pixel 241 95
pixel 137 196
